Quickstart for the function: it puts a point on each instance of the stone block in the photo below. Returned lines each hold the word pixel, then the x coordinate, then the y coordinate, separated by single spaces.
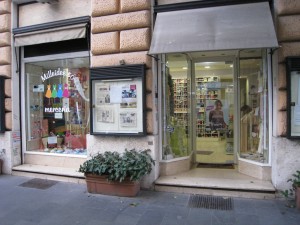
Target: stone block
pixel 135 40
pixel 5 55
pixel 5 70
pixel 4 23
pixel 5 7
pixel 287 7
pixel 4 39
pixel 8 105
pixel 7 87
pixel 149 123
pixel 289 28
pixel 281 79
pixel 105 43
pixel 114 59
pixel 137 5
pixel 124 21
pixel 149 80
pixel 105 7
pixel 288 49
pixel 8 121
pixel 149 101
pixel 281 101
pixel 281 123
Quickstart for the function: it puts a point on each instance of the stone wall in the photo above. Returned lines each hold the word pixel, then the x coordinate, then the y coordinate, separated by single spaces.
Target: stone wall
pixel 285 153
pixel 121 30
pixel 5 57
pixel 5 71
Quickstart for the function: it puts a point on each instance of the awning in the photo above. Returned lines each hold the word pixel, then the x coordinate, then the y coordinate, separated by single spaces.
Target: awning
pixel 51 35
pixel 230 27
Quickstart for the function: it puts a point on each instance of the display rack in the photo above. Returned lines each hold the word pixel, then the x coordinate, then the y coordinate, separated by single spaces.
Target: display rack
pixel 207 90
pixel 181 101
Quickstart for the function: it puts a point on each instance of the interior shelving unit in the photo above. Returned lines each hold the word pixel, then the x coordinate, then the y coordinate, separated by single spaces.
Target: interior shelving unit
pixel 207 90
pixel 181 101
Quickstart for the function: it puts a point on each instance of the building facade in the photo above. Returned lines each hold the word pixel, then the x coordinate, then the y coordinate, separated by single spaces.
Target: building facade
pixel 196 82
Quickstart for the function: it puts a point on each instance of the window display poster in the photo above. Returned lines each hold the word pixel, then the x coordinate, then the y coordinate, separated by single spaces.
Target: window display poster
pixel 128 119
pixel 102 94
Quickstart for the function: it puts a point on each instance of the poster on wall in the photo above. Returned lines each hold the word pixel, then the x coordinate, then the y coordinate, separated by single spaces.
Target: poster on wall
pixel 128 119
pixel 105 115
pixel 102 94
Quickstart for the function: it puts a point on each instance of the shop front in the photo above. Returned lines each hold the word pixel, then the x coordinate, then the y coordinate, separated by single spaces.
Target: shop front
pixel 53 61
pixel 216 87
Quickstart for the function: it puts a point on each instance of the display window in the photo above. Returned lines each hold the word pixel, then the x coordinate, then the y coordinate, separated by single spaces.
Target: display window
pixel 254 116
pixel 57 105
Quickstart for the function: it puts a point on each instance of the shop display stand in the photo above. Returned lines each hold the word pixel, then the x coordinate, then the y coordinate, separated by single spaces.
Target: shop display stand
pixel 181 102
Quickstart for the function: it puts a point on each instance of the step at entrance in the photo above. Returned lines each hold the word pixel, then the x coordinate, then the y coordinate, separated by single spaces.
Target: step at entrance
pixel 217 182
pixel 49 173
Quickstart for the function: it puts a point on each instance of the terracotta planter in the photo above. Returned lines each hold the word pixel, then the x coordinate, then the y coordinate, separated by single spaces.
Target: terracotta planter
pixel 298 197
pixel 100 185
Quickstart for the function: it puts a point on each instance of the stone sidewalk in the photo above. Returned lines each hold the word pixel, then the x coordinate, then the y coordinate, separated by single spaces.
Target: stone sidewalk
pixel 70 204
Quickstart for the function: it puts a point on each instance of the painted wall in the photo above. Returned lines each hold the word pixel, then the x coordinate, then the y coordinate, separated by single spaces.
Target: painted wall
pixel 285 153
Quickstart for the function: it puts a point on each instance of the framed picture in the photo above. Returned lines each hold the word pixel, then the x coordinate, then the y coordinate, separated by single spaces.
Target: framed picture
pixel 118 100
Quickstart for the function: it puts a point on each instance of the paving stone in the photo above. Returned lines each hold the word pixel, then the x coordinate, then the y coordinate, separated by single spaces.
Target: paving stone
pixel 69 204
pixel 151 217
pixel 223 217
pixel 247 219
pixel 199 217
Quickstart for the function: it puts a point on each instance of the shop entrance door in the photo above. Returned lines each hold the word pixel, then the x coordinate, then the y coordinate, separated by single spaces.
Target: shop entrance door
pixel 214 111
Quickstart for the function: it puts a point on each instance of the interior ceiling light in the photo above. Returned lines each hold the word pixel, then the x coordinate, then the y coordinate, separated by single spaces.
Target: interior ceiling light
pixel 206 67
pixel 184 68
pixel 231 66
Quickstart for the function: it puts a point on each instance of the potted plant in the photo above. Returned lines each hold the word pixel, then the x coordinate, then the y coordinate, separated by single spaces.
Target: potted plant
pixel 294 191
pixel 117 174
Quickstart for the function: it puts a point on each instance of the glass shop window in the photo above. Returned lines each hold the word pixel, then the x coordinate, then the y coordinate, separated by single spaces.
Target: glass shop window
pixel 57 105
pixel 254 126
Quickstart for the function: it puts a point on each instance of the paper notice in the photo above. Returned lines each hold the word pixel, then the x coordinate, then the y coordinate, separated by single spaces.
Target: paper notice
pixel 52 140
pixel 115 94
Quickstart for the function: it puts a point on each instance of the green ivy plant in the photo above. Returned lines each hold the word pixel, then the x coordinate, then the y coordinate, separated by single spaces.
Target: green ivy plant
pixel 132 164
pixel 295 180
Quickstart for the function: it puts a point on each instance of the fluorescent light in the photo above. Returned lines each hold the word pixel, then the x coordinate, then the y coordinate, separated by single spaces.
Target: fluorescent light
pixel 206 67
pixel 184 68
pixel 231 66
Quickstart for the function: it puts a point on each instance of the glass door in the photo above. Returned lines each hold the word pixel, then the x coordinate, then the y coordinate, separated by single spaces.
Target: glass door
pixel 214 112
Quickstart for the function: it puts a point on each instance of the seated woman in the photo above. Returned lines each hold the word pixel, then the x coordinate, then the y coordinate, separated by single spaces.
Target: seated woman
pixel 216 117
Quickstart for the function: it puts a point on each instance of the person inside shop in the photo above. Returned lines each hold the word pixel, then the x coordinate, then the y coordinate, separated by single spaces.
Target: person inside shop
pixel 216 117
